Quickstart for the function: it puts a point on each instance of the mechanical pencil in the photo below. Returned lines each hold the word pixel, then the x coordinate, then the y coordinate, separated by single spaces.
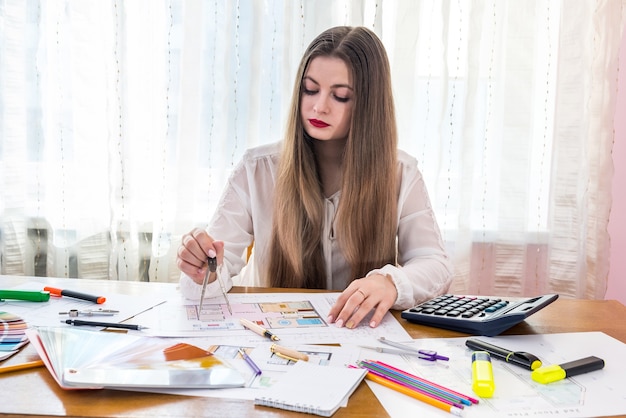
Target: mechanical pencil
pixel 482 374
pixel 519 358
pixel 72 313
pixel 78 322
pixel 391 351
pixel 250 362
pixel 549 374
pixel 258 329
pixel 288 353
pixel 77 295
pixel 429 355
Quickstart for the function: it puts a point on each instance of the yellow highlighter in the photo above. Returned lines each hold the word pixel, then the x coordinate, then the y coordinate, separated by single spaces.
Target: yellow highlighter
pixel 483 384
pixel 555 372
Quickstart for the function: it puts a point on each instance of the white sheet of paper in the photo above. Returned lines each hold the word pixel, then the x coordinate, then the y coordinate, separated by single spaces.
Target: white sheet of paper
pixel 599 393
pixel 272 366
pixel 296 318
pixel 47 313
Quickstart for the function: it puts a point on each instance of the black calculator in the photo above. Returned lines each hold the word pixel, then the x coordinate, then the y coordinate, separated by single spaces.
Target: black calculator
pixel 478 315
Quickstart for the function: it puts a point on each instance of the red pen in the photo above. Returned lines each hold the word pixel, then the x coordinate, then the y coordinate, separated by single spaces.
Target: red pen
pixel 70 293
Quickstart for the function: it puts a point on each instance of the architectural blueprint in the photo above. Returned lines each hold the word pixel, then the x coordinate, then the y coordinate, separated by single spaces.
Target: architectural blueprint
pixel 296 318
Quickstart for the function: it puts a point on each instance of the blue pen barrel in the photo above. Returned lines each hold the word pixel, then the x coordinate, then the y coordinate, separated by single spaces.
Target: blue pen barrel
pixel 482 374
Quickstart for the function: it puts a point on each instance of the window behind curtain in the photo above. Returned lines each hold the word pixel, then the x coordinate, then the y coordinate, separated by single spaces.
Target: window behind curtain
pixel 121 120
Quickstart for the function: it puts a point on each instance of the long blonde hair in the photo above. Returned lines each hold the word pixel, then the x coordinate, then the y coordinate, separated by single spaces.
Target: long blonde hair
pixel 367 213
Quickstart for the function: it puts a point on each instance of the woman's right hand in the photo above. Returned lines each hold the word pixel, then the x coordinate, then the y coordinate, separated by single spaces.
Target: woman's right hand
pixel 195 248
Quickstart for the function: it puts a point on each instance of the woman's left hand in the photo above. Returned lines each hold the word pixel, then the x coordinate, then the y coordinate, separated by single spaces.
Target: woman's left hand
pixel 376 292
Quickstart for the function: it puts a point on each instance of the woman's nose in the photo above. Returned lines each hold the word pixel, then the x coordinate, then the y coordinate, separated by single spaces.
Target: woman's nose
pixel 321 105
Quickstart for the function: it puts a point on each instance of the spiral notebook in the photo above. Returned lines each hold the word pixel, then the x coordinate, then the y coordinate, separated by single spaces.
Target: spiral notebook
pixel 313 389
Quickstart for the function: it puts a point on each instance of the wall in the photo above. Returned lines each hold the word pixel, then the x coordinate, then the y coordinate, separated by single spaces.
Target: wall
pixel 617 221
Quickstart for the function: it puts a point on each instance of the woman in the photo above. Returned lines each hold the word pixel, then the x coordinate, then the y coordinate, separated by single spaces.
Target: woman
pixel 335 205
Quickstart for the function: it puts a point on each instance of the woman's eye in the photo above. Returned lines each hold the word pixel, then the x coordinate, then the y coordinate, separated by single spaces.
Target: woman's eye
pixel 342 99
pixel 309 92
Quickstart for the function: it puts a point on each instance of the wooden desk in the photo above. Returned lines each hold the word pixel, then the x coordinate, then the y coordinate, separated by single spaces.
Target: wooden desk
pixel 35 393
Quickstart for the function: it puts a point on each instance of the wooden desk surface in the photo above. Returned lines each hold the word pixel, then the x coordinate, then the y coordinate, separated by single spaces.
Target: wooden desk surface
pixel 35 393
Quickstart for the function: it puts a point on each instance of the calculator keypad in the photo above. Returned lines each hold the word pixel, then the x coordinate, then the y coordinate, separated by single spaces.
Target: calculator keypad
pixel 481 315
pixel 460 306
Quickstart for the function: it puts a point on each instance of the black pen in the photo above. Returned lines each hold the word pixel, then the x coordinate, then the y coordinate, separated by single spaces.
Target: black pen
pixel 519 358
pixel 78 322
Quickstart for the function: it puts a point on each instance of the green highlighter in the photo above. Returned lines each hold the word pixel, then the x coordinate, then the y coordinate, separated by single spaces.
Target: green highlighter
pixel 31 295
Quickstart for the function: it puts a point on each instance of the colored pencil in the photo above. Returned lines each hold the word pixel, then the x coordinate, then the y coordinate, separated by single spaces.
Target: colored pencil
pixel 22 366
pixel 460 395
pixel 425 391
pixel 407 380
pixel 414 394
pixel 412 380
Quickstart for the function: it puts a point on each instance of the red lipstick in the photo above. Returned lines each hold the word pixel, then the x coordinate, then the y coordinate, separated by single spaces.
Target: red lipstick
pixel 318 123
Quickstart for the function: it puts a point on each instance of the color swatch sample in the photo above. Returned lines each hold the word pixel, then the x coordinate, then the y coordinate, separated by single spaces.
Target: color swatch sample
pixel 12 334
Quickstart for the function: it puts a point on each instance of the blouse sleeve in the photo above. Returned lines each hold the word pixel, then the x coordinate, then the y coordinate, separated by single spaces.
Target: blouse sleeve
pixel 248 194
pixel 424 269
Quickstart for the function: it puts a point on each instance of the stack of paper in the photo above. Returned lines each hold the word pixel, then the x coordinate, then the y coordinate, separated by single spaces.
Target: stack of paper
pixel 86 359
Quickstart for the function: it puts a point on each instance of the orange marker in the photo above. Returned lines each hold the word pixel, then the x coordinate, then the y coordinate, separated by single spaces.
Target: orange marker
pixel 70 293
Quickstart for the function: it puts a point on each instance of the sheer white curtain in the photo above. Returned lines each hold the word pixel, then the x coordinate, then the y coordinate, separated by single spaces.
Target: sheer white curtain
pixel 120 121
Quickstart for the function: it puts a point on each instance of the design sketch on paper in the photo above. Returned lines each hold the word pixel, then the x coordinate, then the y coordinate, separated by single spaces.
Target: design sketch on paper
pixel 270 315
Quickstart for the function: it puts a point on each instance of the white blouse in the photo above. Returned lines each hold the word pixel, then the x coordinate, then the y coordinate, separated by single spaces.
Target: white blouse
pixel 244 215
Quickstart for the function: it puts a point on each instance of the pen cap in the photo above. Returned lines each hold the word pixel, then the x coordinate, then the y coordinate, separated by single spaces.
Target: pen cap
pixel 524 359
pixel 288 353
pixel 584 365
pixel 31 295
pixel 482 374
